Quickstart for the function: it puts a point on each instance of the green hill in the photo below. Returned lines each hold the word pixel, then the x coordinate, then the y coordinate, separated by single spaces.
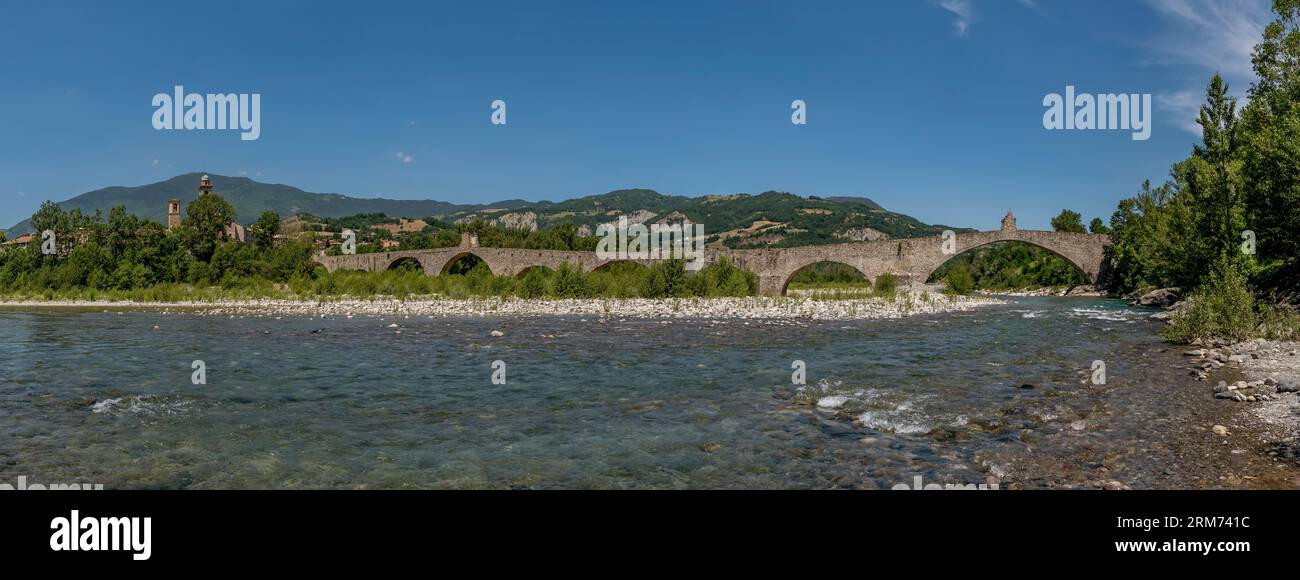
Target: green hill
pixel 741 220
pixel 250 199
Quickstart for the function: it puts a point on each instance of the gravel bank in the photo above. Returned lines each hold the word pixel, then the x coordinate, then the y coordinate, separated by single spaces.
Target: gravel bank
pixel 905 304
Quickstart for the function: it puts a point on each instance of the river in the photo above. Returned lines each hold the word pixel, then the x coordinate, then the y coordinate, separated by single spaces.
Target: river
pixel 1002 395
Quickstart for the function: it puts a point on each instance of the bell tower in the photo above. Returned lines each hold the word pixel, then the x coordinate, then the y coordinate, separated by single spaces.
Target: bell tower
pixel 173 213
pixel 205 185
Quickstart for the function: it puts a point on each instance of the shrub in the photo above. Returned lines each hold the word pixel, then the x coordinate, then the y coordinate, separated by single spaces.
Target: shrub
pixel 571 282
pixel 1223 307
pixel 886 284
pixel 536 283
pixel 959 280
pixel 667 280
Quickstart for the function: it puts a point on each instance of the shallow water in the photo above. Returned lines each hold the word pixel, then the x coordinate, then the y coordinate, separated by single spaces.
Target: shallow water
pixel 349 403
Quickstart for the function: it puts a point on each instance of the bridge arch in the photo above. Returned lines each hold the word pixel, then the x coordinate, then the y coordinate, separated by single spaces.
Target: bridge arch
pixel 405 262
pixel 528 269
pixel 785 284
pixel 1078 250
pixel 459 257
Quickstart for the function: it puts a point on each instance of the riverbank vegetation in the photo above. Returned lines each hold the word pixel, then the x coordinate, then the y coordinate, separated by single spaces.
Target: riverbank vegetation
pixel 1225 225
pixel 123 257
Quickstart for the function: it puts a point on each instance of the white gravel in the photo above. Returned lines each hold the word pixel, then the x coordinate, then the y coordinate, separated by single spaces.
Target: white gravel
pixel 905 304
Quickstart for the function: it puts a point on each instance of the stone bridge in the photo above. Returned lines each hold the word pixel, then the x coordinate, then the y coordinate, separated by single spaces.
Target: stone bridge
pixel 910 259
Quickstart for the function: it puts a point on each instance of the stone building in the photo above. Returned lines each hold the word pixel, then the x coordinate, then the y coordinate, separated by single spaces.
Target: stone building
pixel 173 213
pixel 234 231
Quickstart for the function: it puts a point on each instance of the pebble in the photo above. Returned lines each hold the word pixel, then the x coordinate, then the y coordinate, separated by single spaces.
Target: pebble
pixel 1221 431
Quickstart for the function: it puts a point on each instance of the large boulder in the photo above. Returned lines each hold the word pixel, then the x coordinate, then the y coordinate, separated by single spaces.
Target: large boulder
pixel 1159 298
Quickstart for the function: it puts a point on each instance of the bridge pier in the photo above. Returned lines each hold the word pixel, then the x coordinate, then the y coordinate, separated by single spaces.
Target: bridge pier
pixel 771 285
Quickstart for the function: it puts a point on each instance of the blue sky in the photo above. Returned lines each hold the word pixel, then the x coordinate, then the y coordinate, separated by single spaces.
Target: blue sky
pixel 931 107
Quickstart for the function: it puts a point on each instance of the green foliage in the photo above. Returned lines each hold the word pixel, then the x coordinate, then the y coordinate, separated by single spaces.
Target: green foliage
pixel 667 280
pixel 1068 221
pixel 570 282
pixel 1098 227
pixel 1223 307
pixel 829 274
pixel 1245 174
pixel 264 230
pixel 959 280
pixel 1014 266
pixel 205 224
pixel 722 278
pixel 886 284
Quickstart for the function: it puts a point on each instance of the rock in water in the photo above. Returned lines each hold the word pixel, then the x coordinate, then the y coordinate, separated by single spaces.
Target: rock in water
pixel 1162 297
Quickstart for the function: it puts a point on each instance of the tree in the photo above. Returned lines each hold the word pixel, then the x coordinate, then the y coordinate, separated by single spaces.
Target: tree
pixel 1068 221
pixel 205 224
pixel 1098 227
pixel 265 228
pixel 1212 177
pixel 1270 147
pixel 959 280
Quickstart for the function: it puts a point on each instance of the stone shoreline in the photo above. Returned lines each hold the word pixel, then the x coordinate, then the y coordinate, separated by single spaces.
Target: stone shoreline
pixel 1269 385
pixel 905 304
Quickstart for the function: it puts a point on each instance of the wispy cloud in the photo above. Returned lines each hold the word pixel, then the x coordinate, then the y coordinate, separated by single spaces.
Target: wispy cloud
pixel 1213 34
pixel 964 11
pixel 404 157
pixel 1210 36
pixel 154 163
pixel 1183 106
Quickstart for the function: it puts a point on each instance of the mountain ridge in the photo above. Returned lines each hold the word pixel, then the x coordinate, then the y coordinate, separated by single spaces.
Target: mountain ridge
pixel 766 219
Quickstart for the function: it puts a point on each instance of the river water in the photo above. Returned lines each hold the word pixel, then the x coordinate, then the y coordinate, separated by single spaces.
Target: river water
pixel 1000 395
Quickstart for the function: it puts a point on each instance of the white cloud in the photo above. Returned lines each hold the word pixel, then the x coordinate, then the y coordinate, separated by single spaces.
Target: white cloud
pixel 404 157
pixel 963 10
pixel 1184 108
pixel 154 163
pixel 1210 36
pixel 1213 34
pixel 22 193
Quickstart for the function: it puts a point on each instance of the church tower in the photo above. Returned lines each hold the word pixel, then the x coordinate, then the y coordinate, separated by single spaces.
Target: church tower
pixel 173 213
pixel 205 185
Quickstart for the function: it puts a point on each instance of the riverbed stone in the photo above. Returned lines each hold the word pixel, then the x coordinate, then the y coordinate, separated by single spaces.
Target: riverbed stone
pixel 1162 297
